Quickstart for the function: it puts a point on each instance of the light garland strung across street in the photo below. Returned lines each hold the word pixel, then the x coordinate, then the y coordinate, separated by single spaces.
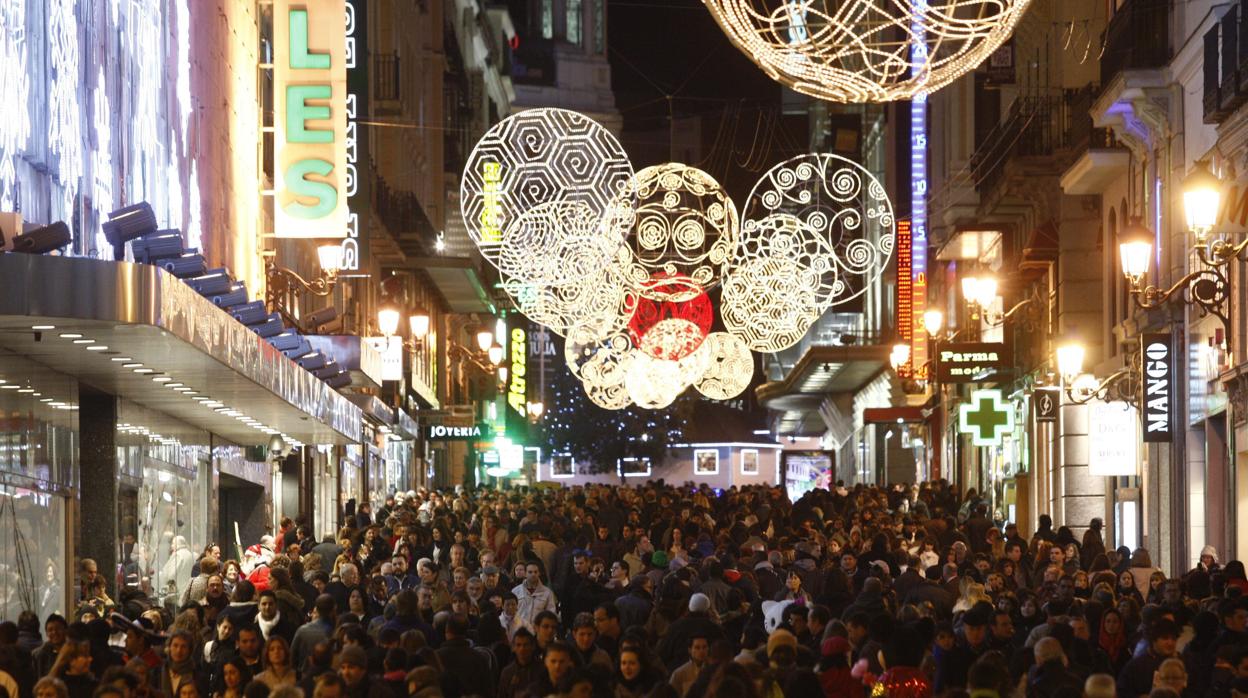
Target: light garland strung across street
pixel 860 50
pixel 621 264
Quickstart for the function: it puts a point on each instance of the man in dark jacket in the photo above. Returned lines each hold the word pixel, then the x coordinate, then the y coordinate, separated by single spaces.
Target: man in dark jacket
pixel 470 669
pixel 1136 678
pixel 674 647
pixel 635 606
pixel 524 670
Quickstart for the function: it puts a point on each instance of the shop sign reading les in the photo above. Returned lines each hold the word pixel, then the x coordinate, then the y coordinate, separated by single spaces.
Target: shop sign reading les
pixel 310 118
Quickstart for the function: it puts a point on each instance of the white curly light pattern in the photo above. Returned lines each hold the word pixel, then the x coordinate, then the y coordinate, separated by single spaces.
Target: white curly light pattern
pixel 535 157
pixel 681 224
pixel 730 366
pixel 867 50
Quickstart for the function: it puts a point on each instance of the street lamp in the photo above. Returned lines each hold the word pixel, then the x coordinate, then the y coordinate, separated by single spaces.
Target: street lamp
pixel 281 282
pixel 330 257
pixel 419 324
pixel 933 321
pixel 899 356
pixel 1082 388
pixel 1206 288
pixel 980 291
pixel 1202 195
pixel 485 339
pixel 1070 360
pixel 495 353
pixel 388 317
pixel 536 409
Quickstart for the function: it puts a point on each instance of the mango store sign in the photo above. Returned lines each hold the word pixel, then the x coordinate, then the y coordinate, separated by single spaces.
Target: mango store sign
pixel 310 119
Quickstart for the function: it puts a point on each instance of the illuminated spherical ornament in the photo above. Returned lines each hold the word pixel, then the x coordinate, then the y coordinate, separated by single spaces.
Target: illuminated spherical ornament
pixel 847 209
pixel 730 367
pixel 654 383
pixel 562 272
pixel 867 50
pixel 535 157
pixel 604 381
pixel 672 328
pixel 681 226
pixel 783 275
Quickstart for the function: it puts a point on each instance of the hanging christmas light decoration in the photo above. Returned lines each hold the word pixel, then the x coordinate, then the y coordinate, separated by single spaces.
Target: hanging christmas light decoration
pixel 673 328
pixel 681 226
pixel 535 157
pixel 621 264
pixel 772 295
pixel 848 211
pixel 730 366
pixel 654 383
pixel 867 50
pixel 559 269
pixel 604 373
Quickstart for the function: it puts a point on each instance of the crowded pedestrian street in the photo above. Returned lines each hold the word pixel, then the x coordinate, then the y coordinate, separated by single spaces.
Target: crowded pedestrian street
pixel 655 590
pixel 623 348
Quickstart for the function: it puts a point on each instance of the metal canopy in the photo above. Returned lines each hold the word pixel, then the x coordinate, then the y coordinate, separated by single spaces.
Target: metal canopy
pixel 822 371
pixel 186 357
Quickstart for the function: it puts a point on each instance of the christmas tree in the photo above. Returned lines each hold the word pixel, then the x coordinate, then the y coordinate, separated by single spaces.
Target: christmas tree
pixel 598 439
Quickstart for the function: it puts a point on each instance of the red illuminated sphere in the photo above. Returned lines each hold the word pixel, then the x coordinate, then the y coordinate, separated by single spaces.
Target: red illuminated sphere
pixel 675 327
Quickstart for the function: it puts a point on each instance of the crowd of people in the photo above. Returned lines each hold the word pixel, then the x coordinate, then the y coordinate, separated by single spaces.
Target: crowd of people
pixel 907 591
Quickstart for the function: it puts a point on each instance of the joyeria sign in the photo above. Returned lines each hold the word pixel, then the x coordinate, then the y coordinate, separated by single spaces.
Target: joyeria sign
pixel 310 119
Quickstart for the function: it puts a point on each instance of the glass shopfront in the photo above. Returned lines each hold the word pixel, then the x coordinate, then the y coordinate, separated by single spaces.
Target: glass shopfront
pixel 165 478
pixel 38 469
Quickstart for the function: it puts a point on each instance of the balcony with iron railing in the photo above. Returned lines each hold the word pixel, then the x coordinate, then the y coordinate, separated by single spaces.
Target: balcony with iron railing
pixel 1054 127
pixel 1138 36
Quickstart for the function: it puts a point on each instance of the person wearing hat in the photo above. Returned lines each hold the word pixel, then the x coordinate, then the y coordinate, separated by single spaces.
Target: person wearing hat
pixel 352 666
pixel 834 672
pixel 952 665
pixel 781 654
pixel 674 647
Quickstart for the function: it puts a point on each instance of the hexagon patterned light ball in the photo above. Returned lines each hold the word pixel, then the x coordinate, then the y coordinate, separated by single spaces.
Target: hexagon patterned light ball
pixel 867 50
pixel 681 225
pixel 535 157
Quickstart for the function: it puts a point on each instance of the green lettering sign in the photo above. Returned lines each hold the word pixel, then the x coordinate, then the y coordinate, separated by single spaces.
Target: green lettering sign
pixel 299 112
pixel 298 184
pixel 300 57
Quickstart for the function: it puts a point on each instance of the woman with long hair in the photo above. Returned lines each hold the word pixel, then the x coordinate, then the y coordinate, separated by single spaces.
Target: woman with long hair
pixel 1156 581
pixel 221 646
pixel 1126 588
pixel 278 670
pixel 633 677
pixel 231 573
pixel 233 679
pixel 73 667
pixel 1112 639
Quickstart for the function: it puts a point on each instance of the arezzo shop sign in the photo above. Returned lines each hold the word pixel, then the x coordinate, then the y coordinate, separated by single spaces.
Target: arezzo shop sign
pixel 1158 368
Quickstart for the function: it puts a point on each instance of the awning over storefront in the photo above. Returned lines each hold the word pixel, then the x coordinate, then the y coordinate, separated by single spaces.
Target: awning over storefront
pixel 821 371
pixel 457 280
pixel 138 332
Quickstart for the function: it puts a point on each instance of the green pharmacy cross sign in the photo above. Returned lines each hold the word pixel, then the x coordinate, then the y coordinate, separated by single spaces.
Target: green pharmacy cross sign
pixel 987 418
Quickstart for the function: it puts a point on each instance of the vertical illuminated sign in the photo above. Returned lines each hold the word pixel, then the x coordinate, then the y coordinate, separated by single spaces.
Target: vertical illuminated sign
pixel 905 293
pixel 310 95
pixel 1158 367
pixel 918 188
pixel 517 389
pixel 357 106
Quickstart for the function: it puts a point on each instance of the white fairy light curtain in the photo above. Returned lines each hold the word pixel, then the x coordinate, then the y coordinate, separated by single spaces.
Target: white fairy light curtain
pixel 867 50
pixel 621 262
